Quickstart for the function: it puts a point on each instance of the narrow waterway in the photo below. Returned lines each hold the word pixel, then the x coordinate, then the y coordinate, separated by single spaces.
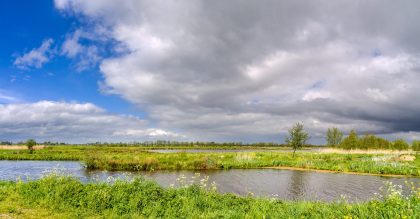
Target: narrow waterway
pixel 283 184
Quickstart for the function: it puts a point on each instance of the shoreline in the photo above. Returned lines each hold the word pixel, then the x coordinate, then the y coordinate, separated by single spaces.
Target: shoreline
pixel 337 171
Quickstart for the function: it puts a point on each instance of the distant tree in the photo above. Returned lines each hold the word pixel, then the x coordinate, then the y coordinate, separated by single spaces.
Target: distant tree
pixel 297 137
pixel 400 144
pixel 366 142
pixel 334 137
pixel 30 143
pixel 416 145
pixel 351 141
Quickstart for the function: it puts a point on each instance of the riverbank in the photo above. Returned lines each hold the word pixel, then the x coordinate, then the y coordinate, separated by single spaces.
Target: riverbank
pixel 332 171
pixel 64 197
pixel 136 159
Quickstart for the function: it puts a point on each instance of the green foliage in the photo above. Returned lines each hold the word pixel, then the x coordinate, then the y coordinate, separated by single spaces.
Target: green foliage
pixel 334 137
pixel 144 199
pixel 416 145
pixel 351 141
pixel 297 137
pixel 400 144
pixel 30 143
pixel 135 159
pixel 373 142
pixel 369 141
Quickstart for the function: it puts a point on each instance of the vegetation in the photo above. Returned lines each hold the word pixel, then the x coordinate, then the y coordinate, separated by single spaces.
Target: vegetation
pixel 334 137
pixel 362 163
pixel 416 145
pixel 164 144
pixel 400 144
pixel 30 144
pixel 136 159
pixel 297 137
pixel 65 197
pixel 369 141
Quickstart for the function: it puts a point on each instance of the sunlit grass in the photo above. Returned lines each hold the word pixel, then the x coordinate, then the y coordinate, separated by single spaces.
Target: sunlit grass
pixel 65 197
pixel 137 159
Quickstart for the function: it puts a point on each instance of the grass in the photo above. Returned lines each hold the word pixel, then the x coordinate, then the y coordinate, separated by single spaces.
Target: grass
pixel 362 163
pixel 137 159
pixel 64 197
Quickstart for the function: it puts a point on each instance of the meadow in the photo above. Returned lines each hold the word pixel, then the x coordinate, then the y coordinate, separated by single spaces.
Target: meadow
pixel 139 159
pixel 57 196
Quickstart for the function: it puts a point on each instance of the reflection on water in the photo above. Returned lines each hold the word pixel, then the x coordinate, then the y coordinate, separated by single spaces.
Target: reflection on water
pixel 165 151
pixel 284 184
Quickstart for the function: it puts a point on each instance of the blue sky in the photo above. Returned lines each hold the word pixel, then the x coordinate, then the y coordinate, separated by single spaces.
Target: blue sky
pixel 80 71
pixel 28 23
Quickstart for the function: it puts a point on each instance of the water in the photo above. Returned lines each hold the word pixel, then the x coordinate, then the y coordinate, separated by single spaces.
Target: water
pixel 221 150
pixel 283 184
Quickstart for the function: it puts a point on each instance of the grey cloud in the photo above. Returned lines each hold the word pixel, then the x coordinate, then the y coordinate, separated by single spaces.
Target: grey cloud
pixel 248 69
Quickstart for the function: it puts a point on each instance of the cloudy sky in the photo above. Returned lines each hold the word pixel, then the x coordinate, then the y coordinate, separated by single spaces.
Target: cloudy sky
pixel 107 70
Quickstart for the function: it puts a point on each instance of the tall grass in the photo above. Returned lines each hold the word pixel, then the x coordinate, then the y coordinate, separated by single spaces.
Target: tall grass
pixel 65 197
pixel 137 158
pixel 362 163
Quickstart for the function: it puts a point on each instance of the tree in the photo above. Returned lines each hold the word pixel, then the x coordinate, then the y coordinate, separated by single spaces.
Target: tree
pixel 297 137
pixel 400 144
pixel 416 145
pixel 334 137
pixel 30 144
pixel 351 141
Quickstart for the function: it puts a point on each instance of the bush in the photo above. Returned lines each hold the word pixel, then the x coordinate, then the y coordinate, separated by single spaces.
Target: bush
pixel 30 144
pixel 351 141
pixel 400 144
pixel 416 146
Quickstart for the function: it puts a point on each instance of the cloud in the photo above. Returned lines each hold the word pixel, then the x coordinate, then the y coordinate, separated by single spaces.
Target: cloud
pixel 86 56
pixel 73 122
pixel 37 57
pixel 250 69
pixel 8 97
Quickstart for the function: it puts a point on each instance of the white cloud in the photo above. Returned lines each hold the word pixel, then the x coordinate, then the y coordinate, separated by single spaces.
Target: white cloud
pixel 85 56
pixel 73 122
pixel 37 57
pixel 8 97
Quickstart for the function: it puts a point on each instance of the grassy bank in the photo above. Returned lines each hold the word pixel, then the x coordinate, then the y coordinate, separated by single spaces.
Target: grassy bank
pixel 362 163
pixel 63 197
pixel 136 159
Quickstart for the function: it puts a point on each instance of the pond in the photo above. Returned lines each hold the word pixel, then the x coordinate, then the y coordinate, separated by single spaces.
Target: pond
pixel 283 184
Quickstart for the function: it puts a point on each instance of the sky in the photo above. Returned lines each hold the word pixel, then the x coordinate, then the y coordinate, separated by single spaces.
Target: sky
pixel 192 70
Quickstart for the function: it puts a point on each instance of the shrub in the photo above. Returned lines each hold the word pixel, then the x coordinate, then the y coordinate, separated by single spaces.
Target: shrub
pixel 416 146
pixel 350 142
pixel 30 144
pixel 400 144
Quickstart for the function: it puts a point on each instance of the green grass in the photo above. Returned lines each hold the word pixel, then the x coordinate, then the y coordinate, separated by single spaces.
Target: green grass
pixel 136 159
pixel 64 197
pixel 188 161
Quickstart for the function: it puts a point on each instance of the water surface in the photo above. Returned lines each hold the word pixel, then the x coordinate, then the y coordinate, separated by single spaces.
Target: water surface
pixel 222 150
pixel 283 184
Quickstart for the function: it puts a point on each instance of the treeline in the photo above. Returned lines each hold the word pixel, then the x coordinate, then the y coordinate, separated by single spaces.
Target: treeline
pixel 368 141
pixel 38 143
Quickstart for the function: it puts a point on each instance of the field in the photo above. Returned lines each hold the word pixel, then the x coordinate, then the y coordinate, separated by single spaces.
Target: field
pixel 64 197
pixel 137 158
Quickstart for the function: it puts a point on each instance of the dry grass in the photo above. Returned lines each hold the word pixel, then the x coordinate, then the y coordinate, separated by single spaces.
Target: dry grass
pixel 360 151
pixel 20 147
